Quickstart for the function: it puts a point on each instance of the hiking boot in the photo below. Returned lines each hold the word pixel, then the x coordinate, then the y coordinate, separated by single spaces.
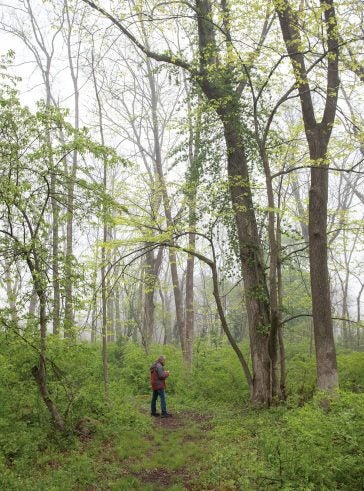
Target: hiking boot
pixel 166 415
pixel 155 414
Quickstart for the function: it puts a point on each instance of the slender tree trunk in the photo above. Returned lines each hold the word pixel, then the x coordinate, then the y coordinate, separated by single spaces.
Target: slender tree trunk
pixel 225 326
pixel 55 259
pixel 10 292
pixel 149 281
pixel 282 352
pixel 69 258
pixel 40 372
pixel 151 272
pixel 189 302
pixel 167 209
pixel 55 223
pixel 118 320
pixel 301 212
pixel 358 313
pixel 104 280
pixel 193 176
pixel 32 307
pixel 104 332
pixel 110 294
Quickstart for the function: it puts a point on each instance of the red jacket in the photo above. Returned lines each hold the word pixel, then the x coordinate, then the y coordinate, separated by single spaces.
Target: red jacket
pixel 158 376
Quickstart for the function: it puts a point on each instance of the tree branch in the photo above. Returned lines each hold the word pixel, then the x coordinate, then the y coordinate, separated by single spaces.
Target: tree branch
pixel 171 59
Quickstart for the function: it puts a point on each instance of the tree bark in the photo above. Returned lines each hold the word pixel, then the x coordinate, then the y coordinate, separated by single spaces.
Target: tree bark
pixel 318 137
pixel 40 372
pixel 256 293
pixel 69 258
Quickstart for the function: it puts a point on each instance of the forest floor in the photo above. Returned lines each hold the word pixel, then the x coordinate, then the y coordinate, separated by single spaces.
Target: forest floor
pixel 178 444
pixel 215 440
pixel 169 455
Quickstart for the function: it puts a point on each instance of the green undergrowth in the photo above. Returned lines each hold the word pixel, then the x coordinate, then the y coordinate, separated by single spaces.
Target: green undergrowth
pixel 216 441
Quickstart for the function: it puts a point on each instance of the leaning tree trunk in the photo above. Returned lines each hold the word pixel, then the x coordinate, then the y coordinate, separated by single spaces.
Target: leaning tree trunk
pixel 256 293
pixel 40 372
pixel 218 87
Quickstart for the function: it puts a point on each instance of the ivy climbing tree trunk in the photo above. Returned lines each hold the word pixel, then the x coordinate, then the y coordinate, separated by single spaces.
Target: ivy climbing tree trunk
pixel 217 83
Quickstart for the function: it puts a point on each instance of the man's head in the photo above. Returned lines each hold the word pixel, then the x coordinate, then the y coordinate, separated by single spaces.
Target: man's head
pixel 162 359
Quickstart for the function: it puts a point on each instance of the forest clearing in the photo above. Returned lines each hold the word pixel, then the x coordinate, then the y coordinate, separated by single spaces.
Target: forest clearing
pixel 181 245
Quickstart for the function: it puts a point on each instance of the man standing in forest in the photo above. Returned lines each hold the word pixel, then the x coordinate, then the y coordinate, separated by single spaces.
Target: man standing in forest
pixel 157 378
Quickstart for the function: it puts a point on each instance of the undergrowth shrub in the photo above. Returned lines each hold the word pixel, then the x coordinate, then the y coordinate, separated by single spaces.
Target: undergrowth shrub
pixel 351 371
pixel 218 376
pixel 318 446
pixel 305 444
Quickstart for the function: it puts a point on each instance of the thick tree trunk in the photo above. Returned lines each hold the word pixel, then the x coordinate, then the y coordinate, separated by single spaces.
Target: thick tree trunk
pixel 327 376
pixel 318 137
pixel 256 293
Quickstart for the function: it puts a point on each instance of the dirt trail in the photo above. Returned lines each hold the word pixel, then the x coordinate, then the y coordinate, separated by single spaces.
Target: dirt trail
pixel 184 476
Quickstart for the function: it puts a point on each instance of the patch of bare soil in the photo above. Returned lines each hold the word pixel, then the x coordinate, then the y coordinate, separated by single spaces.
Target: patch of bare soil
pixel 185 418
pixel 163 479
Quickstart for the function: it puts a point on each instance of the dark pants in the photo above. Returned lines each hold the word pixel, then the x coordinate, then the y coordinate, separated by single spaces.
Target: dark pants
pixel 162 395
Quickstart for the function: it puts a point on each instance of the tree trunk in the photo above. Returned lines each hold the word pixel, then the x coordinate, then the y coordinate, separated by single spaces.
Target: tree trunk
pixel 40 372
pixel 318 137
pixel 167 208
pixel 256 293
pixel 32 307
pixel 225 326
pixel 282 352
pixel 69 258
pixel 358 313
pixel 55 219
pixel 190 313
pixel 327 377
